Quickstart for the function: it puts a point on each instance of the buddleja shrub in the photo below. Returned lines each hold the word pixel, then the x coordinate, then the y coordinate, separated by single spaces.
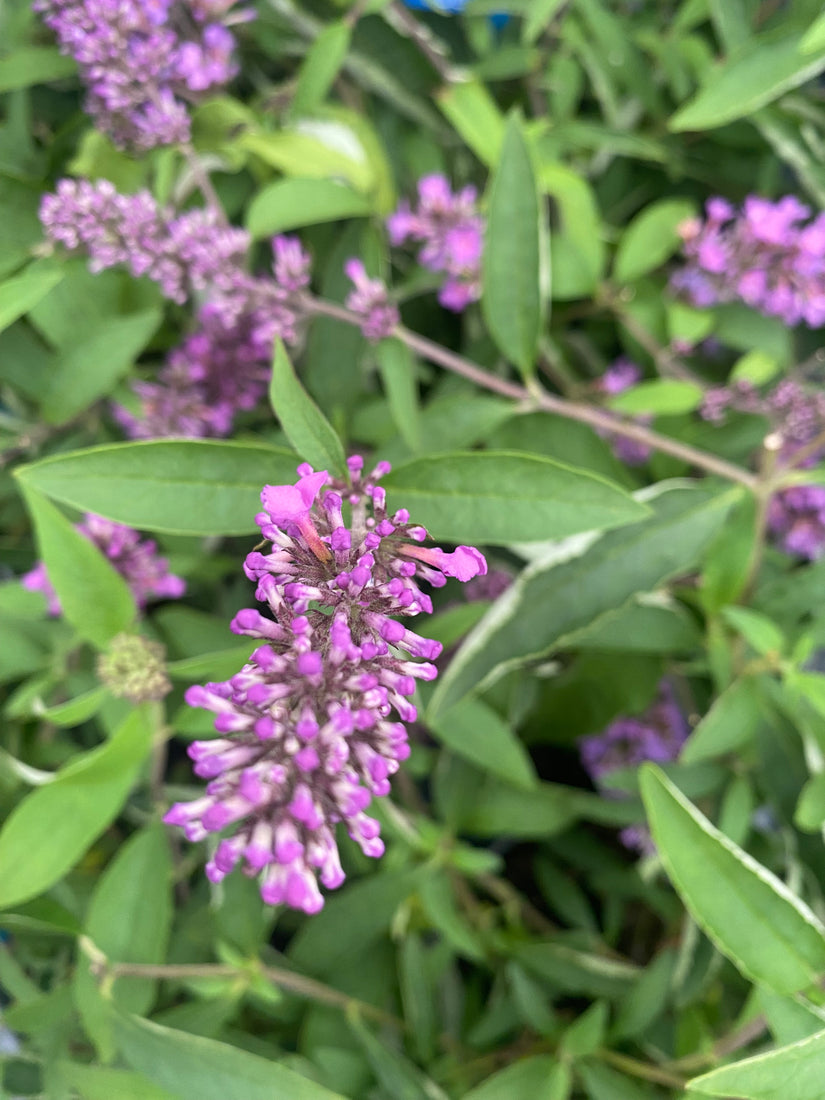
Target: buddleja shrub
pixel 412 611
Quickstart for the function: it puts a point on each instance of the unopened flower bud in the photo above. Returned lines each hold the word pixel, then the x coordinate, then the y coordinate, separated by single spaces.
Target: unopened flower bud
pixel 134 668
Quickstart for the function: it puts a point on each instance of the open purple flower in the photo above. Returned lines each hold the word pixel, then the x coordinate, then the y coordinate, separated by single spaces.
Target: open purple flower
pixel 312 727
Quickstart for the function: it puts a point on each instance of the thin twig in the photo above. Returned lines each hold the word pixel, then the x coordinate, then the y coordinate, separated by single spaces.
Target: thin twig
pixel 298 984
pixel 433 49
pixel 643 1070
pixel 600 419
pixel 204 182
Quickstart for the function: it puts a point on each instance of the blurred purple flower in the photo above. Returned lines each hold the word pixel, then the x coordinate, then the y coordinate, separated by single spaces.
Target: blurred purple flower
pixel 622 375
pixel 142 61
pixel 136 560
pixel 766 255
pixel 308 734
pixel 451 232
pixel 369 299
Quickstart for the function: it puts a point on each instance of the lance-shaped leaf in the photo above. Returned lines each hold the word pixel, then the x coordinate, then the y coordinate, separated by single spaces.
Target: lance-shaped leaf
pixel 750 914
pixel 796 1071
pixel 506 497
pixel 565 593
pixel 307 429
pixel 511 275
pixel 186 487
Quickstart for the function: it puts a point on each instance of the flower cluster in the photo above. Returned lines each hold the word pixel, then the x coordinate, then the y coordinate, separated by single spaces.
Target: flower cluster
pixel 221 368
pixel 796 516
pixel 134 668
pixel 657 735
pixel 308 735
pixel 143 61
pixel 621 375
pixel 136 560
pixel 451 232
pixel 768 256
pixel 369 299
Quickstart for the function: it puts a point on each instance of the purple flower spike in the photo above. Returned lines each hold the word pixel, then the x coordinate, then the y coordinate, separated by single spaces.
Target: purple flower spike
pixel 141 61
pixel 312 727
pixel 370 301
pixel 451 233
pixel 767 256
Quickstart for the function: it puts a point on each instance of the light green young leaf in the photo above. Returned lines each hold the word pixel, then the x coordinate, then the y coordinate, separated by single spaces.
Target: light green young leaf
pixel 293 203
pixel 320 68
pixel 470 108
pixel 19 294
pixel 186 487
pixel 34 65
pixel 814 38
pixel 757 629
pixel 650 238
pixel 129 918
pixel 511 265
pixel 95 599
pixel 661 397
pixel 190 1066
pixel 506 497
pixel 800 1067
pixel 565 593
pixel 729 725
pixel 759 72
pixel 306 427
pixel 475 731
pixel 103 1083
pixel 765 929
pixel 55 824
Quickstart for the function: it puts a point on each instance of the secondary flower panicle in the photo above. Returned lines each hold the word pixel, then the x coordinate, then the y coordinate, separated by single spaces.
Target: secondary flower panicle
pixel 451 232
pixel 144 61
pixel 135 558
pixel 369 299
pixel 221 368
pixel 796 413
pixel 656 735
pixel 312 727
pixel 767 255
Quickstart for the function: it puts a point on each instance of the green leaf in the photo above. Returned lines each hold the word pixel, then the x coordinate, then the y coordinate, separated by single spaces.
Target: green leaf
pixel 651 238
pixel 662 397
pixel 398 375
pixel 577 247
pixel 75 711
pixel 398 1077
pixel 511 265
pixel 320 68
pixel 186 487
pixel 729 724
pixel 577 971
pixel 814 38
pixel 91 366
pixel 800 1066
pixel 95 599
pixel 55 824
pixel 498 809
pixel 758 630
pixel 34 65
pixel 757 367
pixel 811 685
pixel 537 1077
pixel 470 108
pixel 810 809
pixel 306 427
pixel 758 73
pixel 20 294
pixel 565 593
pixel 190 1066
pixel 765 929
pixel 103 1083
pixel 475 731
pixel 129 918
pixel 293 203
pixel 218 665
pixel 506 497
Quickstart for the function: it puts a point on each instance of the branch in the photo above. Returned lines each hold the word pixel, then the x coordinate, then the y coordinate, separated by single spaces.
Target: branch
pixel 597 418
